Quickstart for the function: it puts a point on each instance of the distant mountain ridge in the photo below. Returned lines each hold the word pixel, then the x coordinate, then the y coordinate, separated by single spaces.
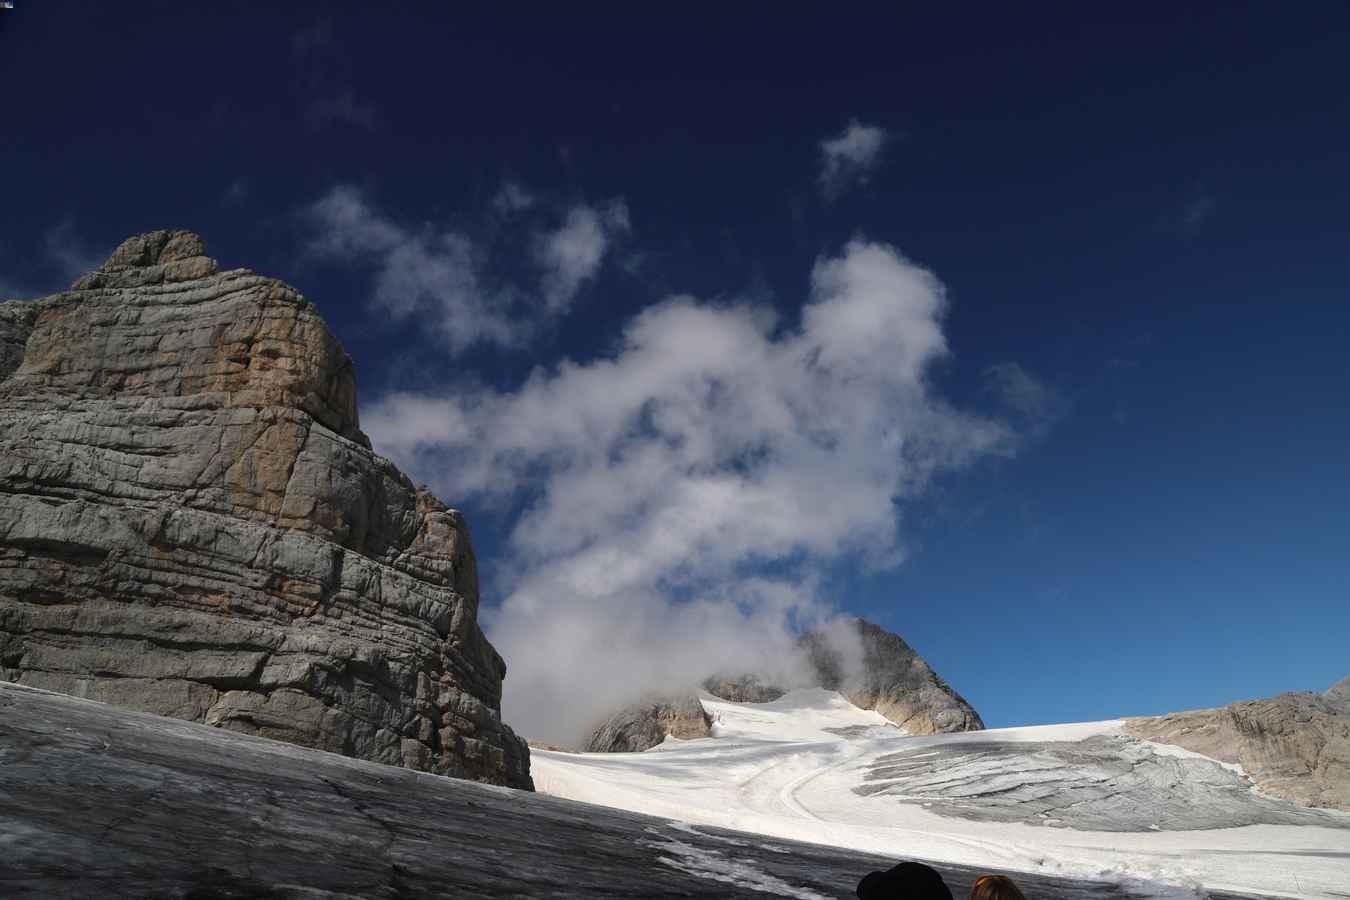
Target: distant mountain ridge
pixel 1294 746
pixel 890 678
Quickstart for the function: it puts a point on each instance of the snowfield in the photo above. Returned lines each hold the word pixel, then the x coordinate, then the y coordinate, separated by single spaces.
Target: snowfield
pixel 1080 800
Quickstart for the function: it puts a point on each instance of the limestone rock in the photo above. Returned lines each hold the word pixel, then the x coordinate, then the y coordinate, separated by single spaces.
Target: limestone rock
pixel 645 724
pixel 193 524
pixel 16 323
pixel 893 680
pixel 1339 693
pixel 742 689
pixel 1294 746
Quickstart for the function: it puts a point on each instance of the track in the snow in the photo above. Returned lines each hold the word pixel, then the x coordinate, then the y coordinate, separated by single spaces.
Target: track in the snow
pixel 101 802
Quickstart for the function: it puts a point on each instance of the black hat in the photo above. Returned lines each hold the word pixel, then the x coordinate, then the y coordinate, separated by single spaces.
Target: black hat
pixel 907 881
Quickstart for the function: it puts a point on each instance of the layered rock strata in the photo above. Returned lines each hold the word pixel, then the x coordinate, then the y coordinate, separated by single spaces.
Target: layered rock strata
pixel 1293 746
pixel 193 524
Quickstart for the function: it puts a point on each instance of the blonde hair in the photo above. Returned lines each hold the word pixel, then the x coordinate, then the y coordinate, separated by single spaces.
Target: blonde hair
pixel 995 887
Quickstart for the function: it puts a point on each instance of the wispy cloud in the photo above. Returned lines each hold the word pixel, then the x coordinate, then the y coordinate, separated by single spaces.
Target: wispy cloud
pixel 324 80
pixel 236 193
pixel 63 255
pixel 679 503
pixel 512 198
pixel 1192 212
pixel 1197 211
pixel 1033 404
pixel 70 253
pixel 341 108
pixel 849 158
pixel 444 275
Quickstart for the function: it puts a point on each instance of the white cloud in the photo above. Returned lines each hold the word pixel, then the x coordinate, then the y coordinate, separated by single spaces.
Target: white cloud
pixel 679 502
pixel 850 157
pixel 442 275
pixel 571 254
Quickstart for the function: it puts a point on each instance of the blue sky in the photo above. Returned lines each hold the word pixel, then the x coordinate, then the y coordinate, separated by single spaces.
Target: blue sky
pixel 1133 488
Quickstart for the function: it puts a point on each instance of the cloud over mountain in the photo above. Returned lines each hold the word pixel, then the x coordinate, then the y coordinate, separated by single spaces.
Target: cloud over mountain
pixel 679 500
pixel 445 276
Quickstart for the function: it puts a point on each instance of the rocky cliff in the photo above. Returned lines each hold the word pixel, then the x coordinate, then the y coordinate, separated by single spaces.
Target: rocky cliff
pixel 1294 746
pixel 193 524
pixel 888 676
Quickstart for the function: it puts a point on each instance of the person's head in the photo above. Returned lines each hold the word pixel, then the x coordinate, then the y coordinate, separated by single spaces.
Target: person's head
pixel 907 881
pixel 995 887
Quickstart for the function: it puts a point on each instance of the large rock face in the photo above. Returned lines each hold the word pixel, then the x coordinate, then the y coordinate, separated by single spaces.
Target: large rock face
pixel 193 524
pixel 893 680
pixel 1294 746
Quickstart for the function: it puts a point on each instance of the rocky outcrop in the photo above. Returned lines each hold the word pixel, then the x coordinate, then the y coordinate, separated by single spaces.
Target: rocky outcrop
pixel 648 722
pixel 193 524
pixel 891 679
pixel 742 689
pixel 1294 746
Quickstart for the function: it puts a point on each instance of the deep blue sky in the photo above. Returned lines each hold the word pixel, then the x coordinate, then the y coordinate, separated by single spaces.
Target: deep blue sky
pixel 1147 211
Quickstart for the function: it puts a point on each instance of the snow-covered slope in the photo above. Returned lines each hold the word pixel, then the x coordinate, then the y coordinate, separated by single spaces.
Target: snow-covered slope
pixel 1084 800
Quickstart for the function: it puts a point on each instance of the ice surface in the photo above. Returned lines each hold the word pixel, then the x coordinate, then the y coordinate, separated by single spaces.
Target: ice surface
pixel 799 768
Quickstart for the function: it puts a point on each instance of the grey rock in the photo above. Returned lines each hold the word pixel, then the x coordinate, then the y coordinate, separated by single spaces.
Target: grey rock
pixel 1103 783
pixel 16 323
pixel 193 524
pixel 893 680
pixel 1339 693
pixel 646 723
pixel 103 802
pixel 1294 746
pixel 742 689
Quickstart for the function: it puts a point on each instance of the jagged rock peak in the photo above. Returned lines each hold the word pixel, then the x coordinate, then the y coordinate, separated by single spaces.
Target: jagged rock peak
pixel 159 320
pixel 892 679
pixel 155 257
pixel 192 524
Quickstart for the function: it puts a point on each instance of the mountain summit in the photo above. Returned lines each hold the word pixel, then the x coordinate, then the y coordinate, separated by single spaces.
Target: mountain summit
pixel 193 524
pixel 873 668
